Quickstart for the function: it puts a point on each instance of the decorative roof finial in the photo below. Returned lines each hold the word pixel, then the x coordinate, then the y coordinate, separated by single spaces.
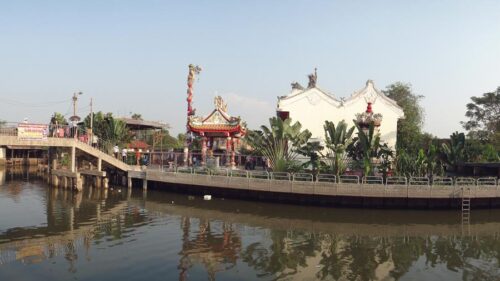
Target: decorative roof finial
pixel 220 104
pixel 313 78
pixel 297 86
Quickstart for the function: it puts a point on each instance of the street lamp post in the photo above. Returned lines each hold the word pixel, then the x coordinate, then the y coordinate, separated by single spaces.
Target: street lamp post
pixel 74 119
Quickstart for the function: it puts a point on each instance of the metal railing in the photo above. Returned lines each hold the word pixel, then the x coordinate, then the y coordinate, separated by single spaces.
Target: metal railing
pixel 373 180
pixel 343 179
pixel 442 181
pixel 419 181
pixel 54 131
pixel 8 129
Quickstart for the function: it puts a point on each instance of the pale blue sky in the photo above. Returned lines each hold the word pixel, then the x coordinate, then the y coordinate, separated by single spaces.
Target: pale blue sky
pixel 132 56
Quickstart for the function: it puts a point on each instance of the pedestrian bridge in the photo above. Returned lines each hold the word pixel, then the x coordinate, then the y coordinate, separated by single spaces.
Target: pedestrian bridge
pixel 71 143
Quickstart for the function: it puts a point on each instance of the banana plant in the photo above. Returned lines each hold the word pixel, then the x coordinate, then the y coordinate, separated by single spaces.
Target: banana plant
pixel 313 150
pixel 371 147
pixel 280 142
pixel 425 163
pixel 434 165
pixel 337 139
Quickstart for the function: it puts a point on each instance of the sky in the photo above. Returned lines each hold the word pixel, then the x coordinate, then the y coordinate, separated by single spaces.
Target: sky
pixel 132 56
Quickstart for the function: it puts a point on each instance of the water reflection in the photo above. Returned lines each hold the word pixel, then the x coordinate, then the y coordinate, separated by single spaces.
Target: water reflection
pixel 216 250
pixel 2 177
pixel 178 237
pixel 352 245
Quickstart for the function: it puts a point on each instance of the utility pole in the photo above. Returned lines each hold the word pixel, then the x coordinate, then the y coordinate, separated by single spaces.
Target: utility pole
pixel 91 116
pixel 91 133
pixel 75 99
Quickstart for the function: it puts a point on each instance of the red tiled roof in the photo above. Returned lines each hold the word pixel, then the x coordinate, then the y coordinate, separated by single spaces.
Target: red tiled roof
pixel 215 128
pixel 138 144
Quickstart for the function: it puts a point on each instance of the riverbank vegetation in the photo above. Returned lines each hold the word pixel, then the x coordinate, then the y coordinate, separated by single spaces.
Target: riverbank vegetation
pixel 359 150
pixel 348 147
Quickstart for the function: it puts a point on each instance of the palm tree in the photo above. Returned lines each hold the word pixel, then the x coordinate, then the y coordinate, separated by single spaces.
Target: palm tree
pixel 280 142
pixel 454 151
pixel 58 119
pixel 110 131
pixel 337 139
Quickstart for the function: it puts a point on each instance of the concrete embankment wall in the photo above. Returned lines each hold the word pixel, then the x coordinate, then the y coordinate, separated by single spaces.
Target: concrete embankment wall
pixel 324 200
pixel 320 193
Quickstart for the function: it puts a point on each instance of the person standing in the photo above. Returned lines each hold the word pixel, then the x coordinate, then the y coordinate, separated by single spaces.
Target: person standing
pixel 248 162
pixel 116 150
pixel 137 157
pixel 124 155
pixel 95 139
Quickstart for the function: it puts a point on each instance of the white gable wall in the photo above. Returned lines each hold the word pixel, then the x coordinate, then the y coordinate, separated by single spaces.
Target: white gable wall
pixel 308 109
pixel 312 107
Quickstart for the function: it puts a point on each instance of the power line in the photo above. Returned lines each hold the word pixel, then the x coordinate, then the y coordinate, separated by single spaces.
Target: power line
pixel 32 104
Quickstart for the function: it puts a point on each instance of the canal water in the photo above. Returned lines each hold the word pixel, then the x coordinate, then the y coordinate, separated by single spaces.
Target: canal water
pixel 53 234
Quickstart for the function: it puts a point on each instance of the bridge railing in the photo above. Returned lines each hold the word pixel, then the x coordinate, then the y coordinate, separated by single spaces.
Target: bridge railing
pixel 8 128
pixel 50 131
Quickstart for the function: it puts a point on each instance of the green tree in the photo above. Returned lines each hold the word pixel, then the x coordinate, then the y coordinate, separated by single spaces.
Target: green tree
pixel 170 141
pixel 98 123
pixel 409 135
pixel 280 142
pixel 58 119
pixel 181 139
pixel 454 150
pixel 137 116
pixel 489 153
pixel 337 138
pixel 484 118
pixel 162 139
pixel 109 130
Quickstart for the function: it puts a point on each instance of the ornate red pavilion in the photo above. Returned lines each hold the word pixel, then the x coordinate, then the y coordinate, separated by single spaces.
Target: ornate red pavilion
pixel 216 127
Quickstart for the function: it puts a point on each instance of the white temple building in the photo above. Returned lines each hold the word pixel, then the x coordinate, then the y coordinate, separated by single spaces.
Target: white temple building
pixel 311 106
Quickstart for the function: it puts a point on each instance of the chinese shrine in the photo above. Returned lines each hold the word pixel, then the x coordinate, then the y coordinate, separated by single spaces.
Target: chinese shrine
pixel 213 130
pixel 311 106
pixel 367 117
